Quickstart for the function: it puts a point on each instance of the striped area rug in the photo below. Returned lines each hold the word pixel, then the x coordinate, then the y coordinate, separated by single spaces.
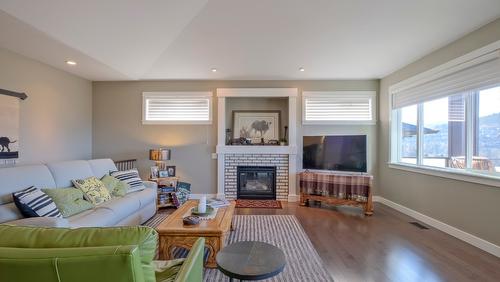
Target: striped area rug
pixel 283 231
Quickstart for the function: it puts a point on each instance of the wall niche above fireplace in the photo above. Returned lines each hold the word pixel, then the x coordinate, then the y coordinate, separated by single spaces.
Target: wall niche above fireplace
pixel 256 182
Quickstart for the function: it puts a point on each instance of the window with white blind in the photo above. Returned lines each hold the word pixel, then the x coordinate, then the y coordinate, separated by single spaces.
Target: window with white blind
pixel 448 118
pixel 177 107
pixel 338 107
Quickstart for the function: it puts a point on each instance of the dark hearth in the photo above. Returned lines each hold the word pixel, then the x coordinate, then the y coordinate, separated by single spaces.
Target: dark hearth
pixel 256 182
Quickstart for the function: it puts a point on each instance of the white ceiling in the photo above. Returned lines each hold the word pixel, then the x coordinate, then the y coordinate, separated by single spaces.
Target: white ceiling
pixel 272 39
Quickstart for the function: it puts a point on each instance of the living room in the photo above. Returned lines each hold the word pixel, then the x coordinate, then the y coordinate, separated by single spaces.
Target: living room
pixel 277 141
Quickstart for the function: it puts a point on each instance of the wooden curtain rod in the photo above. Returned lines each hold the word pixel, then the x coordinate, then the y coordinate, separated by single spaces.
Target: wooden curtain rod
pixel 19 95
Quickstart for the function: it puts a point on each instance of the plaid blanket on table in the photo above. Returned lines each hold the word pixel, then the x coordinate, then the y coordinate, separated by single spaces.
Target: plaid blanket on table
pixel 351 187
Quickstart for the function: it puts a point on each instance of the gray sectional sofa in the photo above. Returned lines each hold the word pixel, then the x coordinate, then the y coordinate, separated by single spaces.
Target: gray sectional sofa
pixel 132 209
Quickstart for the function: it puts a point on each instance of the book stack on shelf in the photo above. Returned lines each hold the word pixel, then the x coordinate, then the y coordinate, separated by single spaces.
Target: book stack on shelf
pixel 166 186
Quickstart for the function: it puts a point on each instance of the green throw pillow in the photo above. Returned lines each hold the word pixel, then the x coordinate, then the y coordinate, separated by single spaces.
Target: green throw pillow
pixel 69 201
pixel 116 187
pixel 93 189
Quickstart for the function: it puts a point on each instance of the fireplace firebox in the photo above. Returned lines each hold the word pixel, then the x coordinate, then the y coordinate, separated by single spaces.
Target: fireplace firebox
pixel 256 182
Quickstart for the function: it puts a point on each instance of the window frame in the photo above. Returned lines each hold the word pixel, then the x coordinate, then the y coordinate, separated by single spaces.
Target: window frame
pixel 466 174
pixel 178 94
pixel 371 95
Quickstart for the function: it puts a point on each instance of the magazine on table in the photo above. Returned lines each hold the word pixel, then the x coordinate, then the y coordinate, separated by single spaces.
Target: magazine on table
pixel 216 203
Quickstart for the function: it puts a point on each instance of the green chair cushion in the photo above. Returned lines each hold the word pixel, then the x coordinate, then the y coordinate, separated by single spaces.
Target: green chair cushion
pixel 69 201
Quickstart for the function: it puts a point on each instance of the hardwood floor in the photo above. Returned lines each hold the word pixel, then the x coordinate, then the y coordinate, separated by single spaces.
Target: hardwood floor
pixel 385 247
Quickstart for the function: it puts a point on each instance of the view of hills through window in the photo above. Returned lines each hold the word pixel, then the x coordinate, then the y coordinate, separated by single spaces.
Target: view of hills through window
pixel 444 140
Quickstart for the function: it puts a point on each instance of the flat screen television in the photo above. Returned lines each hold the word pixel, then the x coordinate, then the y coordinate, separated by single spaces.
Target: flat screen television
pixel 335 152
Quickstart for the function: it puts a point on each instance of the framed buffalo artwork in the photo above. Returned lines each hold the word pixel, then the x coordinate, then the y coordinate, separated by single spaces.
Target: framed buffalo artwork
pixel 257 125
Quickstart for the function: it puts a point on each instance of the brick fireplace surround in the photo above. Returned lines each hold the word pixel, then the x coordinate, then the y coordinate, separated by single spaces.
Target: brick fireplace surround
pixel 232 161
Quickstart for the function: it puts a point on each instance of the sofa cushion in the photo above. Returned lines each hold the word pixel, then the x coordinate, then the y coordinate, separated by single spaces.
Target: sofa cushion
pixel 95 217
pixel 65 172
pixel 9 212
pixel 122 207
pixel 101 167
pixel 17 178
pixel 69 201
pixel 144 197
pixel 33 202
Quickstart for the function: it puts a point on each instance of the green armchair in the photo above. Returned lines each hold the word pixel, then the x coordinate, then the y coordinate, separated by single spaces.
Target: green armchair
pixel 91 254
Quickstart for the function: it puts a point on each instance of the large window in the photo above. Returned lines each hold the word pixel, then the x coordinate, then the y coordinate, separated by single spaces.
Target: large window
pixel 457 132
pixel 448 119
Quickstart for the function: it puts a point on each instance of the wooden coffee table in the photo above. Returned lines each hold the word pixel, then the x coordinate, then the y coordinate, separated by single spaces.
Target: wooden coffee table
pixel 173 233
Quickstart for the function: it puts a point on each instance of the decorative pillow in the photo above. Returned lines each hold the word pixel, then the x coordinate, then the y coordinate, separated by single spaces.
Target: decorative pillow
pixel 93 189
pixel 32 202
pixel 116 187
pixel 69 201
pixel 180 196
pixel 131 177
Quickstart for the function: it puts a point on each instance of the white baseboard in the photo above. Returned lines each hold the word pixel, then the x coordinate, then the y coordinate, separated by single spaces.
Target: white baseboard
pixel 293 198
pixel 453 231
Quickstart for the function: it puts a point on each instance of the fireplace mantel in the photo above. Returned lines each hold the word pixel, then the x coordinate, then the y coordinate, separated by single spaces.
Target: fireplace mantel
pixel 257 149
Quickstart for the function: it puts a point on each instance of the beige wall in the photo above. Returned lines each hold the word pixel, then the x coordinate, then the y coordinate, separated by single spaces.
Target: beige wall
pixel 56 119
pixel 470 207
pixel 118 132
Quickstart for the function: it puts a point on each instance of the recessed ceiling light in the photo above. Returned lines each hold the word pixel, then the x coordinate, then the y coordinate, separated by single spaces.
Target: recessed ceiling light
pixel 214 70
pixel 70 62
pixel 302 69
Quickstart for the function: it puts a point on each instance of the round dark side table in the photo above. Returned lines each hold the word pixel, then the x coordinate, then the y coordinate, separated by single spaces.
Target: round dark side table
pixel 250 260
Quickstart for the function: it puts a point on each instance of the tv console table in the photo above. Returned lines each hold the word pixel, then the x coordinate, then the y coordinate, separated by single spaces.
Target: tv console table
pixel 337 189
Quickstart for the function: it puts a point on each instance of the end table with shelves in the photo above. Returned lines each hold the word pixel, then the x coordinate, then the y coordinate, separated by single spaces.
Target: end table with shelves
pixel 166 187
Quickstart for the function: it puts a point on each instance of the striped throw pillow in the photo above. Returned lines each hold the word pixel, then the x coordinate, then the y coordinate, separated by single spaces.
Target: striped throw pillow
pixel 33 202
pixel 131 177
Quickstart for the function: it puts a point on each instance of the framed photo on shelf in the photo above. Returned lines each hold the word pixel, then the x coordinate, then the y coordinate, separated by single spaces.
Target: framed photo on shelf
pixel 257 125
pixel 171 170
pixel 163 173
pixel 154 172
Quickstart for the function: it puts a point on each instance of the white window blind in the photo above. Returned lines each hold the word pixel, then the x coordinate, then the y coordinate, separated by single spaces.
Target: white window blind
pixel 177 107
pixel 338 107
pixel 477 73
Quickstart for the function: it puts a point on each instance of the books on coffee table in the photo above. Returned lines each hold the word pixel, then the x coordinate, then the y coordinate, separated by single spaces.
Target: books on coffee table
pixel 216 203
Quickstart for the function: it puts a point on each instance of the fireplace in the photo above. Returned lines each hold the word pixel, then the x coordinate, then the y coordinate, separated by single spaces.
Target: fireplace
pixel 256 182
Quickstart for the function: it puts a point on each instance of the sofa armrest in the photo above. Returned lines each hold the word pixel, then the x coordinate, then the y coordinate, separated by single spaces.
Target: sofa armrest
pixel 150 184
pixel 40 222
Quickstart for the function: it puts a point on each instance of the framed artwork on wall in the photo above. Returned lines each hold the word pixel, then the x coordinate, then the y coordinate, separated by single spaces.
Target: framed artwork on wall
pixel 257 125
